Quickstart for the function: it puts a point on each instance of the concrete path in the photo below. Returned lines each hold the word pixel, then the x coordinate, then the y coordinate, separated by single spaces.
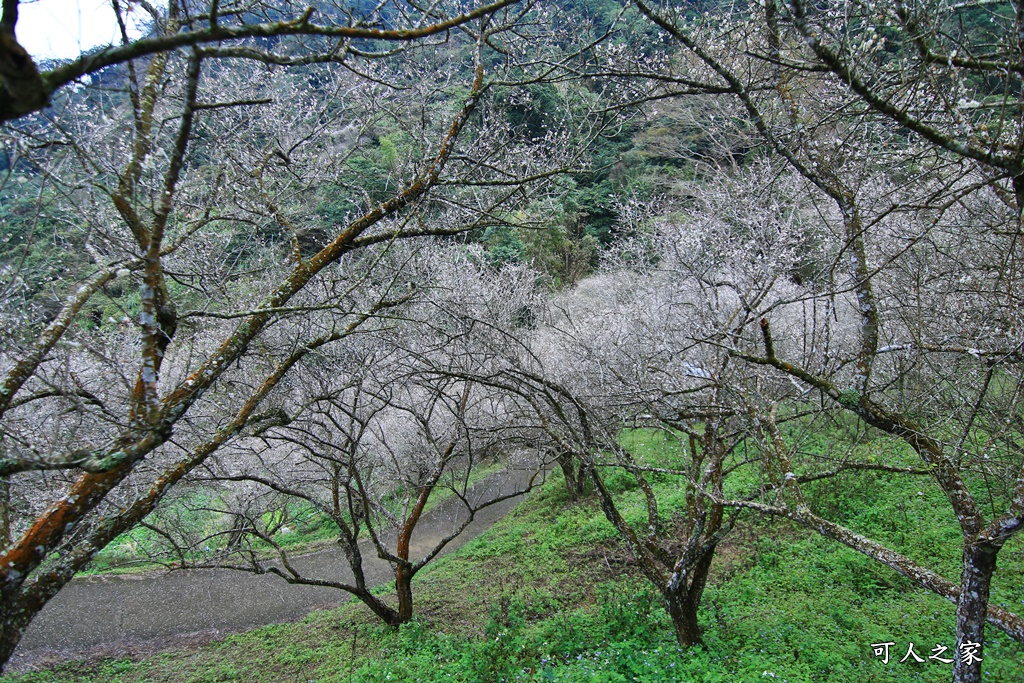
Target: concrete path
pixel 113 614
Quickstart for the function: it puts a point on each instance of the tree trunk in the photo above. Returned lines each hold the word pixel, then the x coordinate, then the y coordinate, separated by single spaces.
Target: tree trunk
pixel 682 596
pixel 403 587
pixel 14 619
pixel 380 608
pixel 683 612
pixel 5 512
pixel 10 636
pixel 575 474
pixel 971 611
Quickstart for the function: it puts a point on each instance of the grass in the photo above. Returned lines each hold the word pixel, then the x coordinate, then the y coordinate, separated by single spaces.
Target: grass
pixel 548 594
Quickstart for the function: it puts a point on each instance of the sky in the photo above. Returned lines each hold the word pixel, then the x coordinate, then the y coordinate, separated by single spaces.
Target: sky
pixel 63 28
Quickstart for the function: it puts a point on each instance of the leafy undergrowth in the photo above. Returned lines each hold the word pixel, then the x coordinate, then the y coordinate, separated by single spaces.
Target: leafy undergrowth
pixel 548 595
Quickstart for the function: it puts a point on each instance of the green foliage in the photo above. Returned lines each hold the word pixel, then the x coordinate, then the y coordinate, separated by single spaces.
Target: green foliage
pixel 370 177
pixel 39 253
pixel 533 108
pixel 503 245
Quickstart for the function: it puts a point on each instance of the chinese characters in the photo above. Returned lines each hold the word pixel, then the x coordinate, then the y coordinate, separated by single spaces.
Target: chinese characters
pixel 969 653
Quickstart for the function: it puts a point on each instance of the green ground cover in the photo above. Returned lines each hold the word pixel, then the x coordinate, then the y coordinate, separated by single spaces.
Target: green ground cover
pixel 548 594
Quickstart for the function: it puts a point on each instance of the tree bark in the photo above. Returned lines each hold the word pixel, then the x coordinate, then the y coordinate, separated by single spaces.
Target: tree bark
pixel 683 593
pixel 5 512
pixel 388 615
pixel 16 613
pixel 972 611
pixel 682 609
pixel 403 587
pixel 574 471
pixel 11 630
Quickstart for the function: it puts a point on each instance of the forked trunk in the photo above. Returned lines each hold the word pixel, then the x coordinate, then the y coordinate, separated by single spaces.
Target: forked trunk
pixel 575 474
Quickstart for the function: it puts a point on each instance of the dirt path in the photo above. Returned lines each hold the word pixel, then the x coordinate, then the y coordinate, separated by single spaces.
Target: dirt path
pixel 124 614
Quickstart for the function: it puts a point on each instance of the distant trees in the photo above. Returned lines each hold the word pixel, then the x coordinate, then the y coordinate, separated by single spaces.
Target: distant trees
pixel 216 205
pixel 651 344
pixel 364 438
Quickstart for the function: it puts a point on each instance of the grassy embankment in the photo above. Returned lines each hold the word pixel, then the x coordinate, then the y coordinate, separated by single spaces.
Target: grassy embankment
pixel 548 595
pixel 303 529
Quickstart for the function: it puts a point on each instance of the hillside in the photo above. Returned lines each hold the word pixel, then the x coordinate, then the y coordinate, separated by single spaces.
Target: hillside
pixel 549 594
pixel 746 276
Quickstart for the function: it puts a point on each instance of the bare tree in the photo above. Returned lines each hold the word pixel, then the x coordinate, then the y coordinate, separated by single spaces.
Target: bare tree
pixel 365 438
pixel 233 196
pixel 625 350
pixel 368 458
pixel 646 344
pixel 905 122
pixel 326 34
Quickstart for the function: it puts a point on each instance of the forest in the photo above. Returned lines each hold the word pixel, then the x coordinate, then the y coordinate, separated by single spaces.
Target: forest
pixel 727 293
